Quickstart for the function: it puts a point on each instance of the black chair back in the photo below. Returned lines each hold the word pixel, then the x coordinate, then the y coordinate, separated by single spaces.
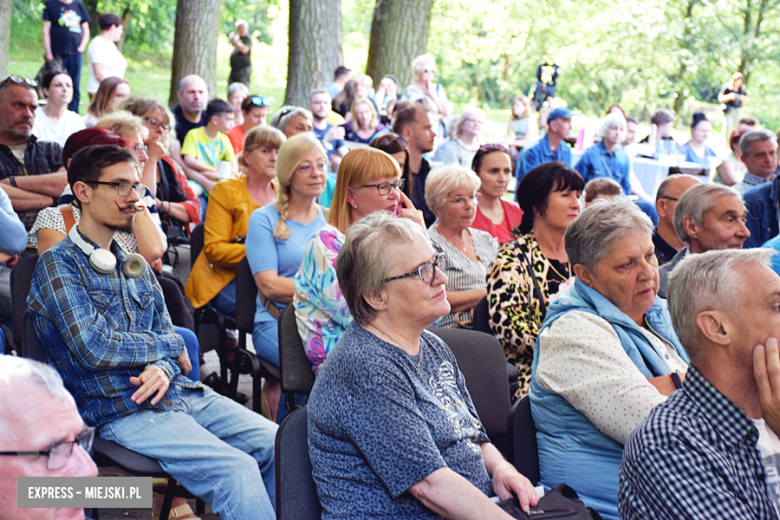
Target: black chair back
pixel 296 491
pixel 30 345
pixel 481 359
pixel 522 450
pixel 21 280
pixel 196 243
pixel 295 367
pixel 246 297
pixel 481 320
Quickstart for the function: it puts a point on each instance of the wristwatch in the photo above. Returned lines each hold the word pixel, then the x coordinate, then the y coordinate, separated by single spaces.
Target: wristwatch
pixel 676 381
pixel 12 181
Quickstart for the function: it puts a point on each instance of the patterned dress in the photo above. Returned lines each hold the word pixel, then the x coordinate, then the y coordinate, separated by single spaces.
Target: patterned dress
pixel 516 314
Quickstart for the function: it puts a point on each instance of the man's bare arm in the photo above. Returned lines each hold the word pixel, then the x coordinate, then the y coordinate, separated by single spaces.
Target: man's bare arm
pixel 49 184
pixel 22 200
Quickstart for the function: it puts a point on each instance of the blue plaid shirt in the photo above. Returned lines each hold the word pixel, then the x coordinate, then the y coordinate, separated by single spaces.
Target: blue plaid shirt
pixel 694 457
pixel 98 330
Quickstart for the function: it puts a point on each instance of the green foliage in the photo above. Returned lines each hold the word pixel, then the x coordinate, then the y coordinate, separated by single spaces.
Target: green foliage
pixel 253 11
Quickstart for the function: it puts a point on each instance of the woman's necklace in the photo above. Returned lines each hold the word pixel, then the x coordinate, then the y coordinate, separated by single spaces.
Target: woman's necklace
pixel 558 272
pixel 389 340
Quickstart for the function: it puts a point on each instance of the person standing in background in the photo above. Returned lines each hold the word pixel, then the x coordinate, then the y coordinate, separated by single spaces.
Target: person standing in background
pixel 241 58
pixel 103 56
pixel 66 30
pixel 733 95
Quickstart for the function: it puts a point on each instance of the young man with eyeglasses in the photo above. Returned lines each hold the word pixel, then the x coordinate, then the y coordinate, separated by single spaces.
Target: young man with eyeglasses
pixel 105 328
pixel 44 435
pixel 31 171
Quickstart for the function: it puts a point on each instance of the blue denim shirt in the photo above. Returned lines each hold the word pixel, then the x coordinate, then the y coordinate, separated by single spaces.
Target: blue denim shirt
pixel 541 153
pixel 101 329
pixel 761 204
pixel 597 162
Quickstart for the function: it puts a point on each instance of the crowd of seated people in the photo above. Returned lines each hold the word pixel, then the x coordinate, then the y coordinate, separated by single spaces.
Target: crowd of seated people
pixel 375 229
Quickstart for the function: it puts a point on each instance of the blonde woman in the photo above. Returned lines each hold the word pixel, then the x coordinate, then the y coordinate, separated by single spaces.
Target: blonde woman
pixel 365 122
pixel 277 237
pixel 465 143
pixel 369 180
pixel 231 204
pixel 452 194
pixel 424 70
pixel 733 95
pixel 522 124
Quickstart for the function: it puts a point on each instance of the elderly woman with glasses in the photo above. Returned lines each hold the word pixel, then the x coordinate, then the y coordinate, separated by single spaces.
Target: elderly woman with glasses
pixel 451 193
pixel 606 354
pixel 531 271
pixel 368 181
pixel 465 143
pixel 393 432
pixel 496 215
pixel 255 111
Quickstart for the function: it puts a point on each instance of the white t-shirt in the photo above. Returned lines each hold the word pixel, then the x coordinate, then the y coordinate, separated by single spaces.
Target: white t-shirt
pixel 46 129
pixel 102 51
pixel 769 446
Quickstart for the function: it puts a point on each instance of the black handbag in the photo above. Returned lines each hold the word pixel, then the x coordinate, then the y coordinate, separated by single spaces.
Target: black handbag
pixel 560 502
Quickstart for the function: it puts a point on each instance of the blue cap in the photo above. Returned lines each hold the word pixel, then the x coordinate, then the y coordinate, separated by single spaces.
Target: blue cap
pixel 555 113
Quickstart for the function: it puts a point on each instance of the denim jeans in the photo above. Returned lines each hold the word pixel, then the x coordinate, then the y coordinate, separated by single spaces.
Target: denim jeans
pixel 220 451
pixel 225 300
pixel 193 350
pixel 72 64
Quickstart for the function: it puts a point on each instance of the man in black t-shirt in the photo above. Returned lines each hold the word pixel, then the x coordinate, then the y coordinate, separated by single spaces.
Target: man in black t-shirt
pixel 65 36
pixel 241 59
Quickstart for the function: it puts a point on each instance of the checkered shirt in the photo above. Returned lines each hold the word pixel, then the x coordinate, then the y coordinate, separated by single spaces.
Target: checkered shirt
pixel 694 457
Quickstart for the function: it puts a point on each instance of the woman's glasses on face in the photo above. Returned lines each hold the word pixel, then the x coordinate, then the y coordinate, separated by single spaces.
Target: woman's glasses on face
pixel 384 187
pixel 153 121
pixel 306 168
pixel 426 272
pixel 463 201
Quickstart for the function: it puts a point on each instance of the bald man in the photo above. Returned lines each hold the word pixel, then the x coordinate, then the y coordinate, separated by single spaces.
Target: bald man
pixel 665 239
pixel 37 413
pixel 193 97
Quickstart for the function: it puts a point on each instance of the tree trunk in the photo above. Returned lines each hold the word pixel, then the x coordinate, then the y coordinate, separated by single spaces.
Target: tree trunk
pixel 126 19
pixel 94 26
pixel 315 47
pixel 195 44
pixel 5 36
pixel 399 33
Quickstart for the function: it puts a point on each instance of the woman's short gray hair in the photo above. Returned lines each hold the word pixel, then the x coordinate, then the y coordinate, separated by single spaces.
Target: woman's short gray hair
pixel 606 221
pixel 363 262
pixel 705 282
pixel 615 118
pixel 442 181
pixel 287 113
pixel 695 202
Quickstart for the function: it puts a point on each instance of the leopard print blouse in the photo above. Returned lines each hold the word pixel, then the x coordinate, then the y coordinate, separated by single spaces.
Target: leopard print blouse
pixel 516 314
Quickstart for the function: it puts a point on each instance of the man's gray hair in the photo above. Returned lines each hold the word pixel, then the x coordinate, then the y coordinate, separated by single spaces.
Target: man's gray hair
pixel 695 202
pixel 755 136
pixel 235 87
pixel 706 282
pixel 364 261
pixel 602 224
pixel 14 369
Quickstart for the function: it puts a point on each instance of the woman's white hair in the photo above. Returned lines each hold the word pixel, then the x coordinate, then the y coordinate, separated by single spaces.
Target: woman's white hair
pixel 420 61
pixel 613 119
pixel 468 112
pixel 444 180
pixel 707 282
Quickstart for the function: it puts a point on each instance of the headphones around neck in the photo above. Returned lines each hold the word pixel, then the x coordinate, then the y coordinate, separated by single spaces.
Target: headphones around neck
pixel 104 261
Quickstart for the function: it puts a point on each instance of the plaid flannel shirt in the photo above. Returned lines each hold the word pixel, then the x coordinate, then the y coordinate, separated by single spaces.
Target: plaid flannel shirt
pixel 99 330
pixel 694 457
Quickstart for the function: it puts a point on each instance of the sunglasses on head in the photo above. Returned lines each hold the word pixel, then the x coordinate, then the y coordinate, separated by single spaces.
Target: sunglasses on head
pixel 388 139
pixel 260 101
pixel 493 148
pixel 19 81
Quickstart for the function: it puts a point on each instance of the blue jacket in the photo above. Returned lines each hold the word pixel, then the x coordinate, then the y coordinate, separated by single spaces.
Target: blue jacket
pixel 13 239
pixel 571 449
pixel 761 203
pixel 598 162
pixel 541 153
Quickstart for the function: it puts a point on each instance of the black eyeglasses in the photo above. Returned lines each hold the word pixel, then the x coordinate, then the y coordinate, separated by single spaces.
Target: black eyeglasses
pixel 159 124
pixel 57 456
pixel 384 187
pixel 670 198
pixel 260 101
pixel 388 139
pixel 493 148
pixel 19 81
pixel 426 272
pixel 123 188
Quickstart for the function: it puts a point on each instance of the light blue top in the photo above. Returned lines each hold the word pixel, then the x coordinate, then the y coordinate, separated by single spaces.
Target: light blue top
pixel 774 244
pixel 571 449
pixel 13 238
pixel 691 156
pixel 597 162
pixel 541 153
pixel 265 252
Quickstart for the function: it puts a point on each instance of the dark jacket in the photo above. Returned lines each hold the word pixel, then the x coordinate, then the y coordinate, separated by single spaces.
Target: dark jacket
pixel 39 157
pixel 761 203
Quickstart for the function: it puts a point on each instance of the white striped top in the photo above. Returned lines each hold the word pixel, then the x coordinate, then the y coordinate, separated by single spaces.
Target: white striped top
pixel 462 272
